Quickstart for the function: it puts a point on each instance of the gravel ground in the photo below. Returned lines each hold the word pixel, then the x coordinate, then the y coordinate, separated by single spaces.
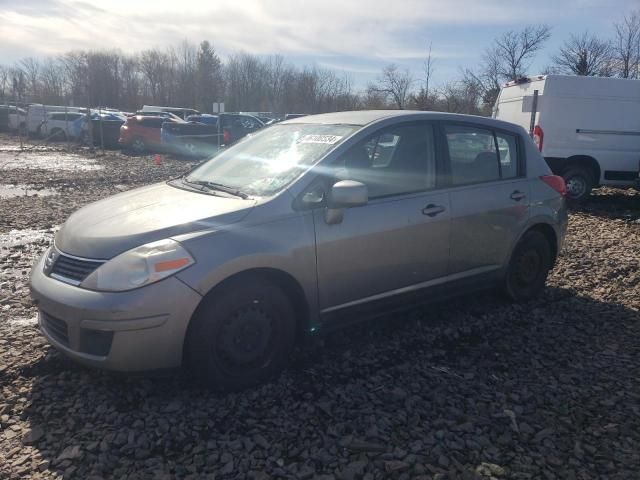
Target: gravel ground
pixel 477 388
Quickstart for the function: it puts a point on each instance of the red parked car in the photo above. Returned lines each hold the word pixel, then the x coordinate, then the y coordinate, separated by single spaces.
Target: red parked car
pixel 142 133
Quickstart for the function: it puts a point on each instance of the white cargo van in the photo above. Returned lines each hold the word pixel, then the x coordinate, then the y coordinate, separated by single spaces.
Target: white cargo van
pixel 587 128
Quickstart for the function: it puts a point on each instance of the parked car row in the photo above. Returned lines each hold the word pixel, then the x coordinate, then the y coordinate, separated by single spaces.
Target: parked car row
pixel 151 129
pixel 198 135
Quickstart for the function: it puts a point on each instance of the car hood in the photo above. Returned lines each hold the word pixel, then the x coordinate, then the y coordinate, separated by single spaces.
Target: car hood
pixel 115 224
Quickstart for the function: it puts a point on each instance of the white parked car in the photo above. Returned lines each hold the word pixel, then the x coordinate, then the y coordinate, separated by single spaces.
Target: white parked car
pixel 62 126
pixel 587 128
pixel 37 115
pixel 17 118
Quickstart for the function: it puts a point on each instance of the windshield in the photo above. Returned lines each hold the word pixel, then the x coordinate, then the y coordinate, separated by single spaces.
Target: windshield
pixel 266 162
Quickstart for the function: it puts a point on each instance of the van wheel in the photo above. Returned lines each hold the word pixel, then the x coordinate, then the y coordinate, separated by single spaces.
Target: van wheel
pixel 579 183
pixel 241 335
pixel 529 267
pixel 137 145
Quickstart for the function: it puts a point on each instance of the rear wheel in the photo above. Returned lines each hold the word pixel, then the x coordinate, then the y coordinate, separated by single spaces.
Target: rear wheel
pixel 241 335
pixel 579 181
pixel 84 138
pixel 57 135
pixel 529 267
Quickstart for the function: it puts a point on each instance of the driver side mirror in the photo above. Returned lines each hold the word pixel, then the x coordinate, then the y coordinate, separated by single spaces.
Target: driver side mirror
pixel 344 194
pixel 347 194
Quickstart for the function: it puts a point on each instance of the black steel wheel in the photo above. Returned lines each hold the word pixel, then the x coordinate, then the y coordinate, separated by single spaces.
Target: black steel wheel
pixel 138 145
pixel 241 335
pixel 529 267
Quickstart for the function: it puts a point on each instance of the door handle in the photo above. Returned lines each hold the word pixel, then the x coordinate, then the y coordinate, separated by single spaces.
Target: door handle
pixel 432 210
pixel 517 195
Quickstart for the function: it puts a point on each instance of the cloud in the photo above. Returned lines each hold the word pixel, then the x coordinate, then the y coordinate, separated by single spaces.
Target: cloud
pixel 329 27
pixel 374 31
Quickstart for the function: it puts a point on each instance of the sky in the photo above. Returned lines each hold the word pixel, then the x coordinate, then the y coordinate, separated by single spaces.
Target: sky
pixel 357 38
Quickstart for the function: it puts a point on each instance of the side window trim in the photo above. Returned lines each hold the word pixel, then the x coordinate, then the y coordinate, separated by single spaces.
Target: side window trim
pixel 495 145
pixel 440 164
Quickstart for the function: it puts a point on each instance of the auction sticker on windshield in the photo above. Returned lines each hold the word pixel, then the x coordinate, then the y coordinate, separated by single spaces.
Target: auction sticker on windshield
pixel 327 139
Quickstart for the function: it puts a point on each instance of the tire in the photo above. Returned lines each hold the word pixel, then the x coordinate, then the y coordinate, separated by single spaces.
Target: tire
pixel 528 268
pixel 241 335
pixel 190 149
pixel 138 145
pixel 580 182
pixel 84 138
pixel 58 135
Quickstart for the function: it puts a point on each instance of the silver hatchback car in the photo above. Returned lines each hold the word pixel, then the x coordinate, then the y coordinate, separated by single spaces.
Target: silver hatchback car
pixel 301 226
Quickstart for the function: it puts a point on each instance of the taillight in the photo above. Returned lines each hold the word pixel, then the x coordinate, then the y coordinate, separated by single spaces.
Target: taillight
pixel 538 136
pixel 226 136
pixel 556 182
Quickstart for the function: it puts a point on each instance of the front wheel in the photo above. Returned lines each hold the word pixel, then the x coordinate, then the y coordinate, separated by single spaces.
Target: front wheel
pixel 529 267
pixel 138 145
pixel 579 183
pixel 190 149
pixel 241 335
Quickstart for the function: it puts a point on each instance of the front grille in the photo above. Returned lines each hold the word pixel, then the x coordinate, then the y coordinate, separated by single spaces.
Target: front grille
pixel 56 328
pixel 73 269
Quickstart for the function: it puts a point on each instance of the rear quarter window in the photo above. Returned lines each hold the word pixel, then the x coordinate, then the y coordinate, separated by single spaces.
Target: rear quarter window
pixel 508 152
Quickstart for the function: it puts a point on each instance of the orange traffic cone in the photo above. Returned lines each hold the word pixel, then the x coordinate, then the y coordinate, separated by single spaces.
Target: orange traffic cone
pixel 157 158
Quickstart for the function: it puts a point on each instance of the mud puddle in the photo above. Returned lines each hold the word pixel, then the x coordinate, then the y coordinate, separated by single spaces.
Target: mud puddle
pixel 22 190
pixel 23 238
pixel 55 161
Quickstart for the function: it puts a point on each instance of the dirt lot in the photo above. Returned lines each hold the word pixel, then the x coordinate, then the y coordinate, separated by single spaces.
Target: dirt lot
pixel 477 388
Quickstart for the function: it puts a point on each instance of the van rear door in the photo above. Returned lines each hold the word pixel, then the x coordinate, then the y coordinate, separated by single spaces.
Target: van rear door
pixel 515 102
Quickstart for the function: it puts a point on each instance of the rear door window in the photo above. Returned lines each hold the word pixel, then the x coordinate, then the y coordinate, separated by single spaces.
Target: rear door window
pixel 472 154
pixel 152 122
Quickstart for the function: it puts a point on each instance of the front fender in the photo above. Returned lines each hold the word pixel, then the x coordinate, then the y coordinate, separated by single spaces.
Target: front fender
pixel 286 244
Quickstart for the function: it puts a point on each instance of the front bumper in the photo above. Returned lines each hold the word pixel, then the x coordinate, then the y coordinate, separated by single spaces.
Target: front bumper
pixel 137 330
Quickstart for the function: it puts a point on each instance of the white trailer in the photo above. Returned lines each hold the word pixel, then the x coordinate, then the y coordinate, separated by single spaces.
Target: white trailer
pixel 587 128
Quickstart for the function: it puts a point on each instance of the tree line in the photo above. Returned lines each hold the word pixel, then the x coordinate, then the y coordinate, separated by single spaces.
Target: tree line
pixel 192 75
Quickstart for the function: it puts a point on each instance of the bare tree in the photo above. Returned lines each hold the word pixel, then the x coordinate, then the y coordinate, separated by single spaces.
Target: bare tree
pixel 626 46
pixel 428 71
pixel 52 82
pixel 395 84
pixel 4 82
pixel 507 58
pixel 154 65
pixel 514 50
pixel 424 99
pixel 31 68
pixel 584 55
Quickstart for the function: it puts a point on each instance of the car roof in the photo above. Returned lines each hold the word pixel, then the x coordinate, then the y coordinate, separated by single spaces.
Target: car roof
pixel 364 117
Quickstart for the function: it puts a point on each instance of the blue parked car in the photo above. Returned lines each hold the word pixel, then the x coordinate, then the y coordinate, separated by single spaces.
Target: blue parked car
pixel 205 118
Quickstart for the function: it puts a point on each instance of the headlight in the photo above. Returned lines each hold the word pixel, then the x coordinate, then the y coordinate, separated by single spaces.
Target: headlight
pixel 141 266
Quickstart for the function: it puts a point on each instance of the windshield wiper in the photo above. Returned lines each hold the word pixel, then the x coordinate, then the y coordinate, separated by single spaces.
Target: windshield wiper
pixel 217 186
